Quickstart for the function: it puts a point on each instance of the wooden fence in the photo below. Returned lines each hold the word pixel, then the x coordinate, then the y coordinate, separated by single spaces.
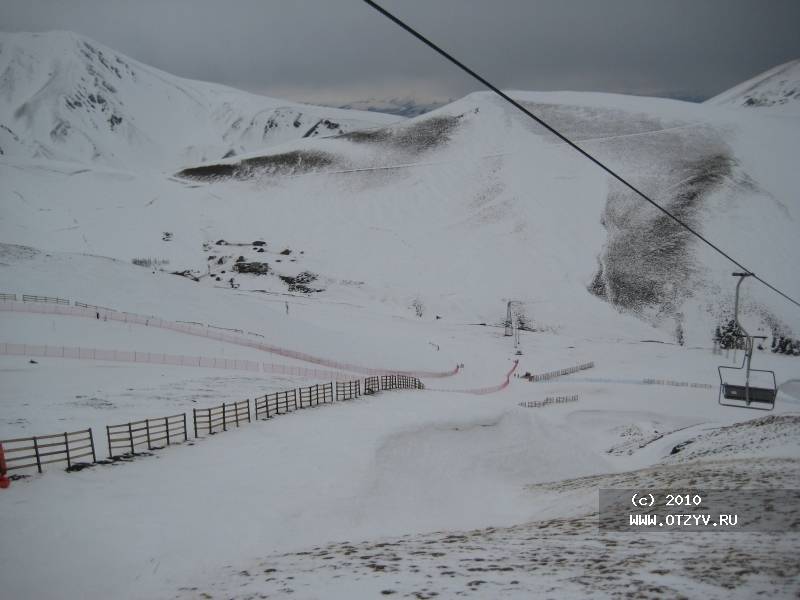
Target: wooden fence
pixel 559 373
pixel 155 433
pixel 550 400
pixel 94 307
pixel 37 451
pixel 404 382
pixel 315 395
pixel 45 299
pixel 125 438
pixel 371 385
pixel 346 390
pixel 216 418
pixel 672 382
pixel 277 403
pixel 388 382
pixel 8 297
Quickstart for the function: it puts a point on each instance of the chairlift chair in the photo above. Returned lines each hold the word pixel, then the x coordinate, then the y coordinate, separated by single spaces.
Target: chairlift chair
pixel 745 396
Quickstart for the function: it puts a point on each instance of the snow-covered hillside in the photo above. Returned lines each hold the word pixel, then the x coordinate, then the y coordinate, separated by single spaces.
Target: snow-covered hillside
pixel 777 88
pixel 497 206
pixel 513 213
pixel 66 97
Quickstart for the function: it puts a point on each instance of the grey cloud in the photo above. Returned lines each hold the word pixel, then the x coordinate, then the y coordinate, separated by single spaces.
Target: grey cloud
pixel 311 48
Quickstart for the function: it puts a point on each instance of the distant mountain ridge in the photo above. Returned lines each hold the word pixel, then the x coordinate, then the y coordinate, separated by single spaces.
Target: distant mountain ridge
pixel 66 97
pixel 403 107
pixel 778 87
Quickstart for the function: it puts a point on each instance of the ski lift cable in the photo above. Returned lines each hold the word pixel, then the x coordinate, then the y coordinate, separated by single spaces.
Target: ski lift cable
pixel 570 143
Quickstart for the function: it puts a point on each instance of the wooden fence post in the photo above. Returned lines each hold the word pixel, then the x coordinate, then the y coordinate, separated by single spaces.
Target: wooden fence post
pixel 66 447
pixel 36 451
pixel 185 432
pixel 224 420
pixel 130 433
pixel 166 425
pixel 147 433
pixel 91 442
pixel 194 418
pixel 108 435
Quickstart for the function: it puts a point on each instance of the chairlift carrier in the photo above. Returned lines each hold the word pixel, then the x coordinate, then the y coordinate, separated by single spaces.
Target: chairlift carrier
pixel 746 396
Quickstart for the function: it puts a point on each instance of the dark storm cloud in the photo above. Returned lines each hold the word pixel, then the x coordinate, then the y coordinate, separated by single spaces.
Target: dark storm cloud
pixel 343 50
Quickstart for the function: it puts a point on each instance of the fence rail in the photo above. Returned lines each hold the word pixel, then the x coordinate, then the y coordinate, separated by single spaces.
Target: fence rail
pixel 277 403
pixel 226 329
pixel 672 382
pixel 372 385
pixel 93 307
pixel 347 390
pixel 41 450
pixel 8 297
pixel 125 438
pixel 550 400
pixel 216 418
pixel 315 395
pixel 45 299
pixel 409 383
pixel 559 373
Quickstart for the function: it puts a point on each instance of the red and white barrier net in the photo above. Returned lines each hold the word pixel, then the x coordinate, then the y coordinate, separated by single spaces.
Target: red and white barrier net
pixel 484 390
pixel 160 358
pixel 203 331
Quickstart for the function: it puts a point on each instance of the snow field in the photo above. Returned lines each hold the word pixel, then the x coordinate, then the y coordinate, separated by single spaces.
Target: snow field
pixel 399 463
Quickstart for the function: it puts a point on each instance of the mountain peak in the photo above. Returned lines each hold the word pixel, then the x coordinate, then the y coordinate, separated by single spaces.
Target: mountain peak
pixel 778 87
pixel 67 97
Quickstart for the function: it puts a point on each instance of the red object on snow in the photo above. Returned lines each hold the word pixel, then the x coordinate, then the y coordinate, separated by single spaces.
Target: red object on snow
pixel 4 480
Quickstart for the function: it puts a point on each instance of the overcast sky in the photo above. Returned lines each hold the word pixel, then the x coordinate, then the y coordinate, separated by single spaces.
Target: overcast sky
pixel 336 51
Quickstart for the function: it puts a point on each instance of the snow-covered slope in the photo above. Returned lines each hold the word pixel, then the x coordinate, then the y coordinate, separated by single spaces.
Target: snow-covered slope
pixel 65 97
pixel 778 88
pixel 463 208
pixel 505 210
pixel 451 213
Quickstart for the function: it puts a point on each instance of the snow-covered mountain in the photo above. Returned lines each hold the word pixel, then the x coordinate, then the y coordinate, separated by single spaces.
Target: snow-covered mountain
pixel 68 98
pixel 778 87
pixel 457 210
pixel 525 217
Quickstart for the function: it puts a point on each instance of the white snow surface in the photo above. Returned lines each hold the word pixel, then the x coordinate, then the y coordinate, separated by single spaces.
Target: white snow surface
pixel 448 215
